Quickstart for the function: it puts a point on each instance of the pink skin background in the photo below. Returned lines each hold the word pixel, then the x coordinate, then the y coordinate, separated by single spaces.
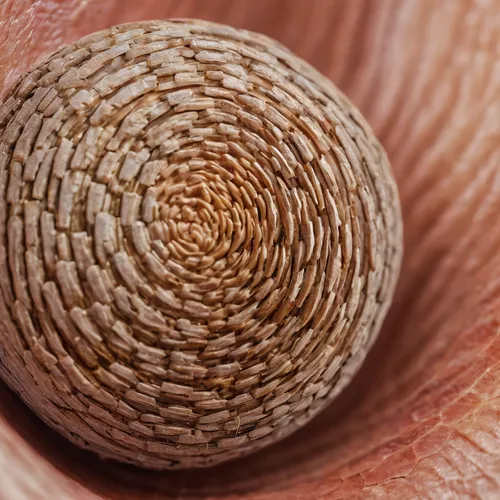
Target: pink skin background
pixel 421 419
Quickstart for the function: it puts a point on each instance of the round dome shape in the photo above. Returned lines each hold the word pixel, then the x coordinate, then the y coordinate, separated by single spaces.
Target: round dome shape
pixel 199 239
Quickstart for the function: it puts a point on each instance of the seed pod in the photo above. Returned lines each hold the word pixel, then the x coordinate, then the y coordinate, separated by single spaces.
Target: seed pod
pixel 199 239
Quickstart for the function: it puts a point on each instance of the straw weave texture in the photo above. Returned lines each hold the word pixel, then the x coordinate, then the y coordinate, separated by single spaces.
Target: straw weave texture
pixel 199 239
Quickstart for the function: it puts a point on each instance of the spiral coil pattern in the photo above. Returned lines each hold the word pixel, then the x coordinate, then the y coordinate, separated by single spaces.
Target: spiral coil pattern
pixel 199 238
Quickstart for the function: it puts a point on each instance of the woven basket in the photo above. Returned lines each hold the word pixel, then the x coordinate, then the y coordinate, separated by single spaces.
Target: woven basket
pixel 199 239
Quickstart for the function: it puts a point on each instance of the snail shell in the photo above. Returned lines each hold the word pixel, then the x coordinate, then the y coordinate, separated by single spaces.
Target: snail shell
pixel 199 239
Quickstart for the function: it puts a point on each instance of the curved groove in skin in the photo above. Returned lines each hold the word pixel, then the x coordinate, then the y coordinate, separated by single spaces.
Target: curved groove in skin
pixel 420 419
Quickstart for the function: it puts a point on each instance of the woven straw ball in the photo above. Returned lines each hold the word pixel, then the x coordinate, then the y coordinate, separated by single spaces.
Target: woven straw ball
pixel 199 240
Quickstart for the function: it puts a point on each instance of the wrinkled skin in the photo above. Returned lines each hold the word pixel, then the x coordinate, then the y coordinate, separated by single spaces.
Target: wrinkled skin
pixel 421 418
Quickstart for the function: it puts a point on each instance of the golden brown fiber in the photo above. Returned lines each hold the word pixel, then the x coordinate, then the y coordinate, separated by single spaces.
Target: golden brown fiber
pixel 199 239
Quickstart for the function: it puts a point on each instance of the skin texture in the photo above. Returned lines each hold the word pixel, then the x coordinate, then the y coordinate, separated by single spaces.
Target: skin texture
pixel 420 419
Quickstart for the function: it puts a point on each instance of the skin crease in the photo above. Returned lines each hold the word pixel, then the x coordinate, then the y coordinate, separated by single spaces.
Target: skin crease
pixel 421 418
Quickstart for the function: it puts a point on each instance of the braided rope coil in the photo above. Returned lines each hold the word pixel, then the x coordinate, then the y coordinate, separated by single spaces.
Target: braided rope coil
pixel 199 239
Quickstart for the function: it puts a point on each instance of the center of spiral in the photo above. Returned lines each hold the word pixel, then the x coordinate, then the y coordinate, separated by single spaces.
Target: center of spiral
pixel 198 214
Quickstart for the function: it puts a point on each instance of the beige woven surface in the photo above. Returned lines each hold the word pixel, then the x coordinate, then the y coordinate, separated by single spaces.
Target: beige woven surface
pixel 199 239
